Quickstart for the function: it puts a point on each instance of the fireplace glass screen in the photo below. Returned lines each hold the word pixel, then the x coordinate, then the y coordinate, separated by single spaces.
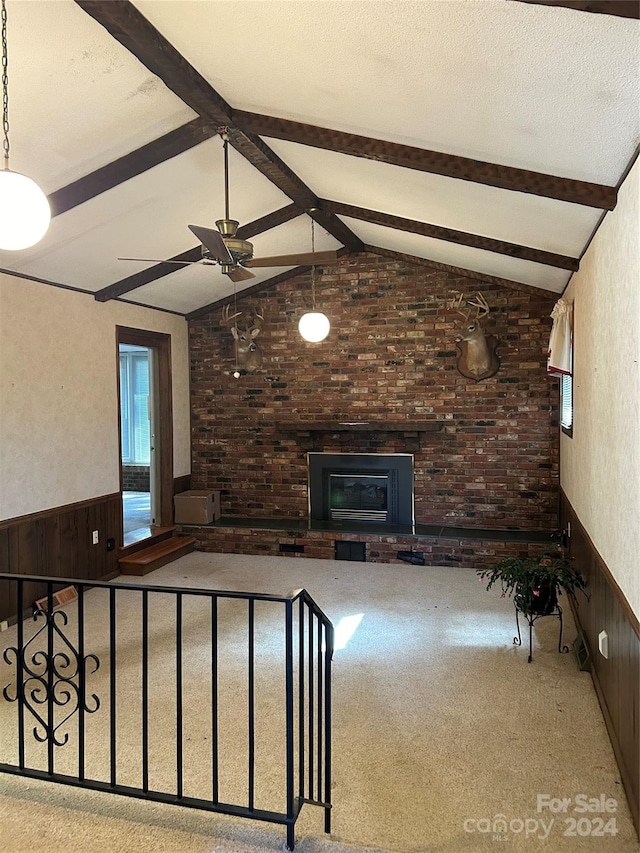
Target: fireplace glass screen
pixel 361 487
pixel 358 496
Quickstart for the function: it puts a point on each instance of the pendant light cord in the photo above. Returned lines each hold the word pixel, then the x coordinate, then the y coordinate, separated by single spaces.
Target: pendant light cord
pixel 5 86
pixel 313 268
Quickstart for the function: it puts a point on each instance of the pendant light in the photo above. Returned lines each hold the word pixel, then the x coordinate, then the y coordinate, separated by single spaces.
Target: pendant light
pixel 24 209
pixel 314 326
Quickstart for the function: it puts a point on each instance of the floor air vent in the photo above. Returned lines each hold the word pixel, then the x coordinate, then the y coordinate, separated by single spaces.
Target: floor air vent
pixel 351 551
pixel 60 598
pixel 289 548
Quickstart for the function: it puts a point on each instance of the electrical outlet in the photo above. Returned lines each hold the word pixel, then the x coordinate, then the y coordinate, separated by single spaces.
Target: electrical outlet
pixel 603 644
pixel 96 537
pixel 4 625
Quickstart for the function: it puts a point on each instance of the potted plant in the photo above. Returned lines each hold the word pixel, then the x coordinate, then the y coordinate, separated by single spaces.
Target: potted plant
pixel 534 582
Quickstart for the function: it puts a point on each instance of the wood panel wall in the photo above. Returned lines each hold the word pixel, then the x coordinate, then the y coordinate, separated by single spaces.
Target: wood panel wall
pixel 616 678
pixel 58 543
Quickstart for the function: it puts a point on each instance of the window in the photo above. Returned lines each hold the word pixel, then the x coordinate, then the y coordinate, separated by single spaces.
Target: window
pixel 560 359
pixel 135 429
pixel 566 403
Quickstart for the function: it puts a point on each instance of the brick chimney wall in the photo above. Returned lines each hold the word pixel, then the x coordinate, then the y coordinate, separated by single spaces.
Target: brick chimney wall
pixel 390 358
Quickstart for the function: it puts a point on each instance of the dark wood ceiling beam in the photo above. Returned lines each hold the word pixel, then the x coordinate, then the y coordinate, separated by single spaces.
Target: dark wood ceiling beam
pixel 462 238
pixel 130 165
pixel 621 8
pixel 459 271
pixel 266 161
pixel 146 276
pixel 435 162
pixel 271 220
pixel 129 27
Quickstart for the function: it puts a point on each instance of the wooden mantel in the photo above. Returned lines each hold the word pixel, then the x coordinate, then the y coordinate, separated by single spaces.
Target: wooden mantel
pixel 358 426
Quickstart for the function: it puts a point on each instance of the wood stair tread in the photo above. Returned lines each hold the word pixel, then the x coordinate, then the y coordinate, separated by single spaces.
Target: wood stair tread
pixel 156 555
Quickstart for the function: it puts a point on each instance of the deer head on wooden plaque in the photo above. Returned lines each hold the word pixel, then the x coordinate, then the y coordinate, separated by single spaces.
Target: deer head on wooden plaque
pixel 245 331
pixel 477 352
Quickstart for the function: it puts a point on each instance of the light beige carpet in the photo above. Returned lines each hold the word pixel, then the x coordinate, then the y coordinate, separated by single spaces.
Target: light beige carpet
pixel 440 725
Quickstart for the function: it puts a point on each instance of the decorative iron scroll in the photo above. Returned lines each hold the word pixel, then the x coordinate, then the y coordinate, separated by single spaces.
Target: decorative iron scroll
pixel 49 679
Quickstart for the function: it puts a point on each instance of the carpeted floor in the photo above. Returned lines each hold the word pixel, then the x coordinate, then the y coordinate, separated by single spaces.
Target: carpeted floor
pixel 441 728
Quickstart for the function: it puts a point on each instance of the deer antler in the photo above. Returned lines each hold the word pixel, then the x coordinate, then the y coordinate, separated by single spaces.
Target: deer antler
pixel 456 304
pixel 229 320
pixel 481 304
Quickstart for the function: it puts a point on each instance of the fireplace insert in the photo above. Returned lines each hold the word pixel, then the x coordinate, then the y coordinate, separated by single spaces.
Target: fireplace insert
pixel 369 487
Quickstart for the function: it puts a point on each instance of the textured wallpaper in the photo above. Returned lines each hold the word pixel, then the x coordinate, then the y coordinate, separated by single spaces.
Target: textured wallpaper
pixel 58 394
pixel 600 465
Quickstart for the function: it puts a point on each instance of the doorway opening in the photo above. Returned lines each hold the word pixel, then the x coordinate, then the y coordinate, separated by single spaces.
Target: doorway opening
pixel 137 435
pixel 146 436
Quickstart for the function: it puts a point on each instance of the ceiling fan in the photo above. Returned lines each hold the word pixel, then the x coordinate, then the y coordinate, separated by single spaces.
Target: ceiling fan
pixel 231 253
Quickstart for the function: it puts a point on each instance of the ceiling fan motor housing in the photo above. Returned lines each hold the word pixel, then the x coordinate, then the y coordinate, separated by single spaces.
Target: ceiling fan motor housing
pixel 240 250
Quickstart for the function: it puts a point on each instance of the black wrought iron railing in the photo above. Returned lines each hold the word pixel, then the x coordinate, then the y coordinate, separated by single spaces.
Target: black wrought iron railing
pixel 210 699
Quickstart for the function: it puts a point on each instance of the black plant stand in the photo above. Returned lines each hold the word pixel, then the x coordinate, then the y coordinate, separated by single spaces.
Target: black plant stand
pixel 533 617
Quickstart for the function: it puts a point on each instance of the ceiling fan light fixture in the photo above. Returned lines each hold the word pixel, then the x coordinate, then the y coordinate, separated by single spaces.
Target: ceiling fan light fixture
pixel 24 210
pixel 314 326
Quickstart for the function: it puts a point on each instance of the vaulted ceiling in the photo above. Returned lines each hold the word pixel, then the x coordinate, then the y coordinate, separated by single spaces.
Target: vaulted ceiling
pixel 489 136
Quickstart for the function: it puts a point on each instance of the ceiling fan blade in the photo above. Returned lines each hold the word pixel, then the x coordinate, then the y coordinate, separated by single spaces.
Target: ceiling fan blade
pixel 294 260
pixel 240 274
pixel 159 261
pixel 212 240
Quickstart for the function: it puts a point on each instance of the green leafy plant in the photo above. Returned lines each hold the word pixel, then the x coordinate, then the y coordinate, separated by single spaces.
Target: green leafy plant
pixel 534 581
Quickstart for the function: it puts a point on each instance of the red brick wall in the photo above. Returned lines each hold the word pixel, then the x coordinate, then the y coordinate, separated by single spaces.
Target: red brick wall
pixel 390 356
pixel 436 551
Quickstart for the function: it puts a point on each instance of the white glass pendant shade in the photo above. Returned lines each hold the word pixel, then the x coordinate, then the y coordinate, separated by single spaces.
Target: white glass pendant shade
pixel 314 326
pixel 24 211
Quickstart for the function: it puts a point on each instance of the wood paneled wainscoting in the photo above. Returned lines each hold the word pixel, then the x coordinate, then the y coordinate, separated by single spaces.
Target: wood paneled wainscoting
pixel 58 543
pixel 616 678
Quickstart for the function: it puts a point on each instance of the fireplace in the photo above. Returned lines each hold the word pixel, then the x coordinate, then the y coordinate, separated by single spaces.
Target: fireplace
pixel 364 487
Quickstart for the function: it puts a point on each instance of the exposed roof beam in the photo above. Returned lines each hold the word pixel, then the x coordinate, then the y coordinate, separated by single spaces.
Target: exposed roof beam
pixel 128 26
pixel 621 8
pixel 460 271
pixel 130 165
pixel 146 276
pixel 271 220
pixel 450 235
pixel 409 157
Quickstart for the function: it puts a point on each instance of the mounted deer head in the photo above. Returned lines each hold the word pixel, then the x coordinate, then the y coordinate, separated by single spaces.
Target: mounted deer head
pixel 248 353
pixel 477 358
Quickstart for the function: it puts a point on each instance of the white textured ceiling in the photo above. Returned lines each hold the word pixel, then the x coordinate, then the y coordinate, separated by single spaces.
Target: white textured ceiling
pixel 546 89
pixel 489 79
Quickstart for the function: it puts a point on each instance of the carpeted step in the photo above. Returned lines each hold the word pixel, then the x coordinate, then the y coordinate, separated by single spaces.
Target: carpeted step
pixel 157 555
